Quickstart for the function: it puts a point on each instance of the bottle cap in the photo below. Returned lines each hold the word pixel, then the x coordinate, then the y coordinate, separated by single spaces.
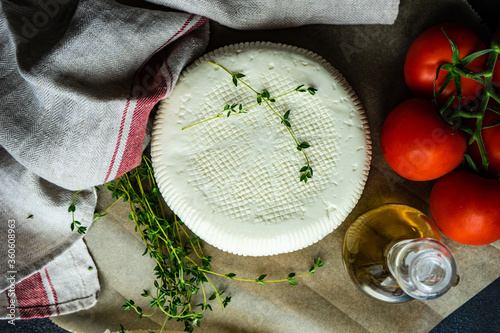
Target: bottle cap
pixel 424 268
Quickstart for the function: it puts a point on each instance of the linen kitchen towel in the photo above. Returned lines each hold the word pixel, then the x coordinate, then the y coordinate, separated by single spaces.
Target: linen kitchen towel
pixel 78 80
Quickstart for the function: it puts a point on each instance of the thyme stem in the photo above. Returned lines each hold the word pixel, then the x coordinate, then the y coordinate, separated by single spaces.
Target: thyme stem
pixel 306 171
pixel 179 275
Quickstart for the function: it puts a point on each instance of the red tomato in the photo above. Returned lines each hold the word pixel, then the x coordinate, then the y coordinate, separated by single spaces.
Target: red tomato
pixel 432 49
pixel 418 144
pixel 465 208
pixel 491 141
pixel 496 71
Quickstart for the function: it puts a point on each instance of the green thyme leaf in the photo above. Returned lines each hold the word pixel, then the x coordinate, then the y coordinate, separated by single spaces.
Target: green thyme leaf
pixel 319 263
pixel 312 91
pixel 226 301
pixel 303 145
pixel 82 230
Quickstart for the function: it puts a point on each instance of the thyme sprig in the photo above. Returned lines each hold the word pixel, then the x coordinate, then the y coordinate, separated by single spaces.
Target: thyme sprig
pixel 182 269
pixel 456 116
pixel 75 224
pixel 264 97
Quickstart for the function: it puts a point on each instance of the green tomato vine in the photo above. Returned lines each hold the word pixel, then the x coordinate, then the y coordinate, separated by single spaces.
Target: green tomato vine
pixel 457 116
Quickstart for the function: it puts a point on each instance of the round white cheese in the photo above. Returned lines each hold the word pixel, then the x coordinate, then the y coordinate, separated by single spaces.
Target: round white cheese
pixel 235 181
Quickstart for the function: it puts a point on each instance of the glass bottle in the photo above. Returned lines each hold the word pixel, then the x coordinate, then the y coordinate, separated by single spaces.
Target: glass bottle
pixel 394 254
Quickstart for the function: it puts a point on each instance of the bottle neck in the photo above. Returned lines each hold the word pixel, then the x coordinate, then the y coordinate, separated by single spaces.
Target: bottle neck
pixel 424 268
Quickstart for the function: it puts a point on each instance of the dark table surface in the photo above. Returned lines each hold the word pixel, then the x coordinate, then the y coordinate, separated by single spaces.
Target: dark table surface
pixel 479 314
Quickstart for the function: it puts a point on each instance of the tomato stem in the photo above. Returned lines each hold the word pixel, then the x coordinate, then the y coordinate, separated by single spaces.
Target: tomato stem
pixel 489 92
pixel 473 75
pixel 456 70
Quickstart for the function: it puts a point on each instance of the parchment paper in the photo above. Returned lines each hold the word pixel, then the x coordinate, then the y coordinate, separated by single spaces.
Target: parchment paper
pixel 371 58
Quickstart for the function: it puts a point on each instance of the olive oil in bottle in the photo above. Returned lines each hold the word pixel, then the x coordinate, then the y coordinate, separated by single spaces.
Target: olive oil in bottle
pixel 419 265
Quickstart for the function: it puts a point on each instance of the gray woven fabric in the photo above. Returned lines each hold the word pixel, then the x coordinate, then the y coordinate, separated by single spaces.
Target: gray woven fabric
pixel 78 80
pixel 42 231
pixel 34 234
pixel 266 14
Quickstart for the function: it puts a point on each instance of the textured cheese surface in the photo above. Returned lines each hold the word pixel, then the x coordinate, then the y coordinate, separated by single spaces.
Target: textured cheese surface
pixel 234 181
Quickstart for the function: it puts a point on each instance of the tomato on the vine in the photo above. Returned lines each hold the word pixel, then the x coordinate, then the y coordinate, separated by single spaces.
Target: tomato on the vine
pixel 432 49
pixel 465 207
pixel 418 144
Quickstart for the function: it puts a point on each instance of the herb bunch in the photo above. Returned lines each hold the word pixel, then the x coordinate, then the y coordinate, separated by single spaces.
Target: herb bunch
pixel 264 97
pixel 182 269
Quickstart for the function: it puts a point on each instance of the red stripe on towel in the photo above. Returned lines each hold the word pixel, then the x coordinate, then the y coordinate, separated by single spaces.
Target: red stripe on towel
pixel 54 294
pixel 131 155
pixel 120 133
pixel 32 298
